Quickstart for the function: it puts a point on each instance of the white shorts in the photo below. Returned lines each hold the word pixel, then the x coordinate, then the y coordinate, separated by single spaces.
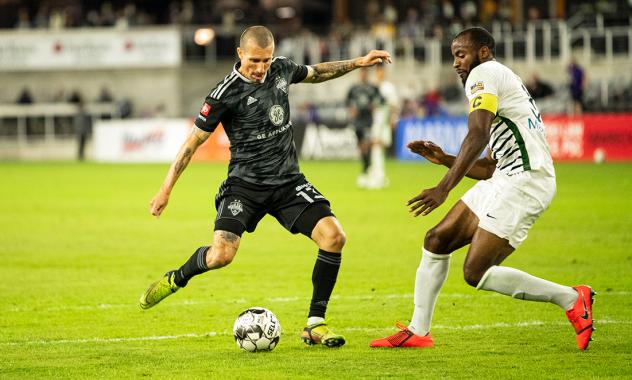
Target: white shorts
pixel 507 206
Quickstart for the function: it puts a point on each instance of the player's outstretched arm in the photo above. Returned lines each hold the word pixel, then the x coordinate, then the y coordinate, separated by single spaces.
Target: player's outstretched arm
pixel 330 70
pixel 188 148
pixel 482 169
pixel 479 123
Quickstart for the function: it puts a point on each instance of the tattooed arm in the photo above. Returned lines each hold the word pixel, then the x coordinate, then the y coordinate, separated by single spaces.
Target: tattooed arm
pixel 160 200
pixel 330 70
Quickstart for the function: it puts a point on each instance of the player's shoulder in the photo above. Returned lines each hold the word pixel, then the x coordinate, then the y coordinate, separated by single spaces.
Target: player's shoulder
pixel 281 62
pixel 489 69
pixel 486 77
pixel 224 87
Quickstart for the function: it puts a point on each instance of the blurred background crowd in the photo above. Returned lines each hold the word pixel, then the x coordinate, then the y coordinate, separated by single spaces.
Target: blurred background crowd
pixel 575 56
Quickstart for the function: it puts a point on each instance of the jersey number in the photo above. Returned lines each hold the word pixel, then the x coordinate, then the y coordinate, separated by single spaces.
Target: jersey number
pixel 307 197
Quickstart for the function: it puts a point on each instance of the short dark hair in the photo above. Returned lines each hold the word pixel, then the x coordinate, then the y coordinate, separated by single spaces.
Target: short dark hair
pixel 261 35
pixel 480 37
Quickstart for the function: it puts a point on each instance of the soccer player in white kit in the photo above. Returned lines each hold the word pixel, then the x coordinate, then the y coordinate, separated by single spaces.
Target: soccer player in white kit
pixel 516 184
pixel 384 118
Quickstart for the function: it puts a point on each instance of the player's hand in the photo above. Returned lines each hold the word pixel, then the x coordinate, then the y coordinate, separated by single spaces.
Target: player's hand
pixel 427 201
pixel 158 203
pixel 428 150
pixel 373 58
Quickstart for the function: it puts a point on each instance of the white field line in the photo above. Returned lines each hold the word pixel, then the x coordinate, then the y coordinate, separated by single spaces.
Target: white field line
pixel 357 297
pixel 376 330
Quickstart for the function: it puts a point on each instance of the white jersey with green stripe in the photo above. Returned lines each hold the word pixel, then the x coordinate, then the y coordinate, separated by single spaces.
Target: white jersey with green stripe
pixel 517 139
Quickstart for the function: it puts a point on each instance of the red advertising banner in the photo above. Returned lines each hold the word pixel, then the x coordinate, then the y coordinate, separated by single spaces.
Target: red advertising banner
pixel 590 137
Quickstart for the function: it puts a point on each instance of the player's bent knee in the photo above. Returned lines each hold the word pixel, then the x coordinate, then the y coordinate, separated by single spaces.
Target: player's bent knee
pixel 332 240
pixel 434 241
pixel 338 240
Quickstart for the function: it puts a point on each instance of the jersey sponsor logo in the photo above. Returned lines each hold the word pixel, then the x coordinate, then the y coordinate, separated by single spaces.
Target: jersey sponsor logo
pixel 276 115
pixel 206 108
pixel 250 100
pixel 478 86
pixel 236 207
pixel 281 84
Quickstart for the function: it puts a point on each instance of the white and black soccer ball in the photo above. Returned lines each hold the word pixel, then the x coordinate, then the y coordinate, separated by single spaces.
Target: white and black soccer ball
pixel 257 329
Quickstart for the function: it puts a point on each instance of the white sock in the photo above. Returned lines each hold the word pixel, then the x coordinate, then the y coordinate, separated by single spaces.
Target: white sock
pixel 313 320
pixel 377 163
pixel 431 274
pixel 518 284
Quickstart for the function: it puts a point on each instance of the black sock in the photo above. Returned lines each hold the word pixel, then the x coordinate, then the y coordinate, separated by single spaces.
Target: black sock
pixel 194 266
pixel 323 279
pixel 366 162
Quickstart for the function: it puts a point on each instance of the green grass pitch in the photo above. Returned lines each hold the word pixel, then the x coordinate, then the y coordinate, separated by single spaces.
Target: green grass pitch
pixel 78 246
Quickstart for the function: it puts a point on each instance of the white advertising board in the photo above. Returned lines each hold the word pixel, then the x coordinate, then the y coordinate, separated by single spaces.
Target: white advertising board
pixel 142 140
pixel 103 48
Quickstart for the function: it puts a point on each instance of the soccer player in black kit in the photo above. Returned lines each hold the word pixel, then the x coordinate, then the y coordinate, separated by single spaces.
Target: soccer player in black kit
pixel 263 174
pixel 362 99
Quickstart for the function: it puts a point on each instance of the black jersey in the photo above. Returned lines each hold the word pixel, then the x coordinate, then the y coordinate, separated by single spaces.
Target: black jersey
pixel 364 97
pixel 256 118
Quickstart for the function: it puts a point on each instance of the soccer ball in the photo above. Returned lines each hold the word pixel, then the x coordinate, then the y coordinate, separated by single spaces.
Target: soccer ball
pixel 257 329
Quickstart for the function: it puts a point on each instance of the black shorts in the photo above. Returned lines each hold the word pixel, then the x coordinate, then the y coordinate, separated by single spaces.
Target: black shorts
pixel 363 133
pixel 241 205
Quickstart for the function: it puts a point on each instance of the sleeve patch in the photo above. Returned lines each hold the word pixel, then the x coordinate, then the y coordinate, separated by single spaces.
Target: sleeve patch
pixel 478 86
pixel 485 101
pixel 206 108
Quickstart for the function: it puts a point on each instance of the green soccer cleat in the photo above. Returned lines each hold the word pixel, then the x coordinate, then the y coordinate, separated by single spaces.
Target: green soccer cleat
pixel 159 290
pixel 319 333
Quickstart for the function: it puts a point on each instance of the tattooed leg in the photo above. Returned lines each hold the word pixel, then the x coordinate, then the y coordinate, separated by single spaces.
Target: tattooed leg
pixel 224 249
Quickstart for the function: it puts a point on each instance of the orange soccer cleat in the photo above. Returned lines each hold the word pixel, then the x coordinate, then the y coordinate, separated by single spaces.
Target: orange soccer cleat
pixel 580 316
pixel 404 338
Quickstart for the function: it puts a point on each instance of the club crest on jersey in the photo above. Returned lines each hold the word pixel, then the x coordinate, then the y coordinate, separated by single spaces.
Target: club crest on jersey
pixel 281 84
pixel 235 207
pixel 276 114
pixel 478 86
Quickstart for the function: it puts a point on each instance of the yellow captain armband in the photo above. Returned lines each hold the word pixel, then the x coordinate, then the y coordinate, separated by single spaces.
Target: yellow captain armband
pixel 487 102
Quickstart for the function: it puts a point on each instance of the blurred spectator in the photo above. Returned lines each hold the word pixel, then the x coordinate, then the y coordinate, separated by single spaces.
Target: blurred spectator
pixel 390 13
pixel 538 88
pixel 124 108
pixel 83 127
pixel 431 103
pixel 93 19
pixel 383 32
pixel 468 11
pixel 576 87
pixel 75 97
pixel 107 15
pixel 411 27
pixel 24 21
pixel 105 96
pixel 447 12
pixel 533 13
pixel 57 19
pixel 24 97
pixel 372 12
pixel 42 16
